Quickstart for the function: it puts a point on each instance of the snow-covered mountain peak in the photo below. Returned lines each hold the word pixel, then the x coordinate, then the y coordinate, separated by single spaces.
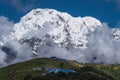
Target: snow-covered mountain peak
pixel 38 17
pixel 53 15
pixel 48 32
pixel 62 28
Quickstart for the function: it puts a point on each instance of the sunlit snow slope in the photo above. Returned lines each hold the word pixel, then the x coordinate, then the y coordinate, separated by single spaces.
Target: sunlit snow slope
pixel 47 33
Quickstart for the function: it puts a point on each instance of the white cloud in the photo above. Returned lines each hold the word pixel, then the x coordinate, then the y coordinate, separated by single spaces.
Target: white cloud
pixel 5 26
pixel 2 58
pixel 101 49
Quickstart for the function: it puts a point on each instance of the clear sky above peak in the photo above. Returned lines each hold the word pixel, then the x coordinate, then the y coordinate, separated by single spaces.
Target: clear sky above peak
pixel 104 10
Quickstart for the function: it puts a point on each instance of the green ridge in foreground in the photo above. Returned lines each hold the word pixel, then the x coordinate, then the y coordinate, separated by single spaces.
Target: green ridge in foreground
pixel 24 70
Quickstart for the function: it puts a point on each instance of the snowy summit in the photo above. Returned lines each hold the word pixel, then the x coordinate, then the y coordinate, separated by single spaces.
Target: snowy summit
pixel 48 32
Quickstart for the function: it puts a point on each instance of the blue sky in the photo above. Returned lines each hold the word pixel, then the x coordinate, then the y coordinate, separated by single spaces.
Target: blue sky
pixel 104 10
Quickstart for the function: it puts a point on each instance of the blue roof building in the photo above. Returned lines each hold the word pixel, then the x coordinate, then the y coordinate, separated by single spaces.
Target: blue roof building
pixel 57 70
pixel 54 70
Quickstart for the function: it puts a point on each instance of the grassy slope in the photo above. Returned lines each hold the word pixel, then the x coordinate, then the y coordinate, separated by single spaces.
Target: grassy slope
pixel 20 70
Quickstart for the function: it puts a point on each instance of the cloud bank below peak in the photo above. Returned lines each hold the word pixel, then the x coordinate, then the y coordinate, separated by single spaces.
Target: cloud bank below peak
pixel 101 46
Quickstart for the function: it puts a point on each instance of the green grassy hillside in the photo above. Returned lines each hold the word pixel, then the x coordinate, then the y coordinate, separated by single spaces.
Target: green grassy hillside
pixel 24 71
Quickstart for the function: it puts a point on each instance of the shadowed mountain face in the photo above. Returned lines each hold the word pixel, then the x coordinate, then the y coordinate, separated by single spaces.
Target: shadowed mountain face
pixel 11 54
pixel 47 33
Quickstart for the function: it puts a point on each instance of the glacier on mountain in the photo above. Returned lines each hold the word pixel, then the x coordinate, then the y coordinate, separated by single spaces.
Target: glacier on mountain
pixel 48 32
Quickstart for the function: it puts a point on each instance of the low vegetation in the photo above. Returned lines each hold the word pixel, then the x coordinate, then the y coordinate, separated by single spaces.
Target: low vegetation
pixel 24 70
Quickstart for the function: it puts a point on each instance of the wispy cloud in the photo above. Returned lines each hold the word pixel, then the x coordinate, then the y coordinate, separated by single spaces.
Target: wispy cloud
pixel 22 5
pixel 118 24
pixel 117 2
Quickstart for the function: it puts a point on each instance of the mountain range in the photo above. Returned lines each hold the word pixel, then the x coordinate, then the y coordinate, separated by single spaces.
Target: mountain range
pixel 48 32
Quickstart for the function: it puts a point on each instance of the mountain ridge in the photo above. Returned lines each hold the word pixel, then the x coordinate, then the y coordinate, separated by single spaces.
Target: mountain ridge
pixel 20 71
pixel 62 24
pixel 48 32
